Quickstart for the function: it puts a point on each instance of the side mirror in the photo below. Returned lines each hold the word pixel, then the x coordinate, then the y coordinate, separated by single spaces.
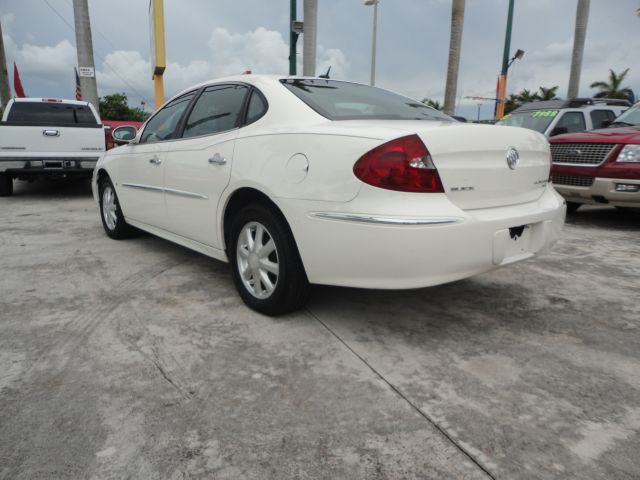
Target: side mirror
pixel 605 123
pixel 123 135
pixel 558 131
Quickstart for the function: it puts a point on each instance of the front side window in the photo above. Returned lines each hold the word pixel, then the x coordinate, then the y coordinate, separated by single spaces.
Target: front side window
pixel 163 124
pixel 350 101
pixel 572 121
pixel 217 110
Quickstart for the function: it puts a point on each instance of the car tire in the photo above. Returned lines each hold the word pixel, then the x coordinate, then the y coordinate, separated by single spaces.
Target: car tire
pixel 113 220
pixel 266 265
pixel 572 207
pixel 6 185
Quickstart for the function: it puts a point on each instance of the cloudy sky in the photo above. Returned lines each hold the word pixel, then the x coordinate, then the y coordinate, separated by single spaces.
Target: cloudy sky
pixel 212 38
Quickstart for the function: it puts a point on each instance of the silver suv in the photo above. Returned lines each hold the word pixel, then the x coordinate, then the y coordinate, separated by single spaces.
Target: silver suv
pixel 555 117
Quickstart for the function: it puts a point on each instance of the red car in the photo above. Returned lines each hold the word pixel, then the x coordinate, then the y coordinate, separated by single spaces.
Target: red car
pixel 109 125
pixel 599 166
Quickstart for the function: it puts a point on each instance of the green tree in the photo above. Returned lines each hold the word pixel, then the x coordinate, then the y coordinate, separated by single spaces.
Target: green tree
pixel 612 88
pixel 432 103
pixel 115 107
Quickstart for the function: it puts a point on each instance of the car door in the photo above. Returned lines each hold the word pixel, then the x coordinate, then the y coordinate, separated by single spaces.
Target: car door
pixel 141 168
pixel 198 164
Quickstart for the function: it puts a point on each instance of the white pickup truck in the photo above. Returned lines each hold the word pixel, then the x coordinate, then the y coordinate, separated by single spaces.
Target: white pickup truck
pixel 48 137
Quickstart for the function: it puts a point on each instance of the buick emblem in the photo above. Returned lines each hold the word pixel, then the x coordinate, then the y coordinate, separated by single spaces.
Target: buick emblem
pixel 512 158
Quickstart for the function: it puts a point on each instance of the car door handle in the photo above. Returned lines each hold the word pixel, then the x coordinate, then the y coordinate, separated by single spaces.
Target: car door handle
pixel 155 161
pixel 51 133
pixel 217 159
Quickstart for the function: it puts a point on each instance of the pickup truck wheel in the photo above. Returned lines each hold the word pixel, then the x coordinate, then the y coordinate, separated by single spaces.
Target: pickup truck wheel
pixel 572 207
pixel 112 219
pixel 6 185
pixel 266 266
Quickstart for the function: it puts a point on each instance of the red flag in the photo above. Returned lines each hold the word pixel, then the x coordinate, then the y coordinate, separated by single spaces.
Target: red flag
pixel 17 84
pixel 78 89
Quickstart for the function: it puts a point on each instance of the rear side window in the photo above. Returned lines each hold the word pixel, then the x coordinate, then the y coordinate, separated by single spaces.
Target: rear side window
pixel 257 107
pixel 51 114
pixel 349 101
pixel 216 110
pixel 598 117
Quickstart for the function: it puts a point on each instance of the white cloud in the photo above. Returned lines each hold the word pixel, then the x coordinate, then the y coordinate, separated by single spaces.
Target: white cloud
pixel 260 50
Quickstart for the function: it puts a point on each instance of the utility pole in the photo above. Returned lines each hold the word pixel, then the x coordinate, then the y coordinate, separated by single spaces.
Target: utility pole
pixel 5 92
pixel 84 46
pixel 309 38
pixel 582 17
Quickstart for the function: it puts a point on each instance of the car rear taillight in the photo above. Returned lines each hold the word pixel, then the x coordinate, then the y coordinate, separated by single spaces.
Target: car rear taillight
pixel 403 164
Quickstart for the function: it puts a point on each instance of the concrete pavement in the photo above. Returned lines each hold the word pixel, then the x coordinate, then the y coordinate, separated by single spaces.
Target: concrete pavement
pixel 136 359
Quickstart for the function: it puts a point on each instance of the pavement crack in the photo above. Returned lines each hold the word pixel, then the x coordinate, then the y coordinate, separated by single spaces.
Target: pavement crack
pixel 398 392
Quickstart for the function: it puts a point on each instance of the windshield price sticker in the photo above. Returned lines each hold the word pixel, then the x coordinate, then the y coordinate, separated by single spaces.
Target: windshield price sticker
pixel 544 113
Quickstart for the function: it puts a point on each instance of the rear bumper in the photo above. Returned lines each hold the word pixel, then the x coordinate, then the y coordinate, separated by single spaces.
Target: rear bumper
pixel 421 252
pixel 36 167
pixel 603 190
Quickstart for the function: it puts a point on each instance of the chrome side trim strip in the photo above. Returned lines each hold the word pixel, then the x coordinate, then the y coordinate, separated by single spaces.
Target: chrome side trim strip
pixel 185 194
pixel 374 219
pixel 143 187
pixel 166 190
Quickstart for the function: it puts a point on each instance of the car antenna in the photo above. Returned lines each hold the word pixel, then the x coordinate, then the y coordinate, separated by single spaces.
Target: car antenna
pixel 326 75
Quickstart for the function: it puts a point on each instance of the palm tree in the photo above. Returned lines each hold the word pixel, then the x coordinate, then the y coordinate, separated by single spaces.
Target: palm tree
pixel 582 16
pixel 455 42
pixel 432 103
pixel 612 88
pixel 525 96
pixel 547 93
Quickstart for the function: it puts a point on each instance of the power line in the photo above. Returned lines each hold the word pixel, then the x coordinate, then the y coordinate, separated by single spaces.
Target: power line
pixel 144 98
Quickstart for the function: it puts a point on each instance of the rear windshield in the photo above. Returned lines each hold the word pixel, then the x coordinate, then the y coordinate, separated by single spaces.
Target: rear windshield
pixel 537 120
pixel 351 101
pixel 51 114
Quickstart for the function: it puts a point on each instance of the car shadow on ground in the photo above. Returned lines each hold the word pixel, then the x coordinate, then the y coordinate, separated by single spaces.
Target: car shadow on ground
pixel 606 217
pixel 58 188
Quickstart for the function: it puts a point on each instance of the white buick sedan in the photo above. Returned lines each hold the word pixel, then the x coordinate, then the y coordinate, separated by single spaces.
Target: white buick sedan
pixel 299 181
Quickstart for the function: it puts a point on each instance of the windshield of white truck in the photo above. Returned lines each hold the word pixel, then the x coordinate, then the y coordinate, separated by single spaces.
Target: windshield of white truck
pixel 51 114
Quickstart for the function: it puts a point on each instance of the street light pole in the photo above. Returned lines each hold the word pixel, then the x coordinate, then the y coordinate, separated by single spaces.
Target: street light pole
pixel 502 79
pixel 373 38
pixel 293 38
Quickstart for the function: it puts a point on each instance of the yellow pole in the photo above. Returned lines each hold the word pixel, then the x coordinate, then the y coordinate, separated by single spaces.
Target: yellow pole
pixel 158 55
pixel 158 85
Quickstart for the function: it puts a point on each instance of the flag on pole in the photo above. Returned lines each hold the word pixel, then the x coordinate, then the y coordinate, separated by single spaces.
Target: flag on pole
pixel 78 89
pixel 17 84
